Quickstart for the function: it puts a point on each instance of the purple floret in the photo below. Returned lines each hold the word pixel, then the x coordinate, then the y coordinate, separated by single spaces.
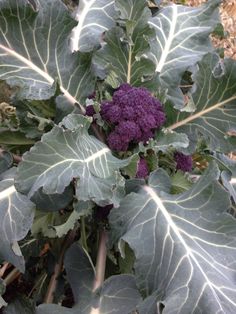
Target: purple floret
pixel 129 129
pixel 147 122
pixel 183 162
pixel 105 106
pixel 142 170
pixel 113 114
pixel 90 111
pixel 118 142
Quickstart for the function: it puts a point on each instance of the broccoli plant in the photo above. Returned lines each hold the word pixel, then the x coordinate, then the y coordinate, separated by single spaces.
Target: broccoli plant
pixel 117 182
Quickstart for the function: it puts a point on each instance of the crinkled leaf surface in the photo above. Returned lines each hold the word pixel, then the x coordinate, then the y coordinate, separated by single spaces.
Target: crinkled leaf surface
pixel 16 219
pixel 182 38
pixel 66 154
pixel 34 50
pixel 214 97
pixel 94 17
pixel 184 244
pixel 122 53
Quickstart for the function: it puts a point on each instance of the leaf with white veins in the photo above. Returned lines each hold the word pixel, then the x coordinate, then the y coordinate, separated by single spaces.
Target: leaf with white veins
pixel 16 219
pixel 62 155
pixel 94 17
pixel 182 38
pixel 34 51
pixel 214 97
pixel 185 245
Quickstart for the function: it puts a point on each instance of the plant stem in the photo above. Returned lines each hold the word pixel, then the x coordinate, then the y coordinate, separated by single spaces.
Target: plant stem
pixel 15 273
pixel 101 260
pixel 15 157
pixel 3 269
pixel 129 64
pixel 58 267
pixel 83 234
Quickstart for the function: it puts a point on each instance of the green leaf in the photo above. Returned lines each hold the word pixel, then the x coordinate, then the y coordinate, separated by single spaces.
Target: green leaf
pixel 34 51
pixel 160 180
pixel 102 191
pixel 52 202
pixel 213 95
pixel 119 295
pixel 35 116
pixel 81 275
pixel 94 17
pixel 184 245
pixel 14 138
pixel 54 309
pixel 180 183
pixel 6 161
pixel 16 219
pixel 44 223
pixel 122 55
pixel 182 38
pixel 22 306
pixel 65 154
pixel 168 139
pixel 62 229
pixel 229 183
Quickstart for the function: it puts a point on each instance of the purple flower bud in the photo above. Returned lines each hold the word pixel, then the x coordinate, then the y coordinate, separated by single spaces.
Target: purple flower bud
pixel 142 171
pixel 90 111
pixel 183 162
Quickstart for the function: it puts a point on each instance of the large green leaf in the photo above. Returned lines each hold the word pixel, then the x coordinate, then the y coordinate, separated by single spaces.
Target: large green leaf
pixel 34 50
pixel 122 53
pixel 214 98
pixel 185 245
pixel 94 17
pixel 16 219
pixel 66 154
pixel 182 38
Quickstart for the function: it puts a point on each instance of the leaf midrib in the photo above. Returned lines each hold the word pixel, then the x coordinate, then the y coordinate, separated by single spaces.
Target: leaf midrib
pixel 44 74
pixel 152 194
pixel 200 114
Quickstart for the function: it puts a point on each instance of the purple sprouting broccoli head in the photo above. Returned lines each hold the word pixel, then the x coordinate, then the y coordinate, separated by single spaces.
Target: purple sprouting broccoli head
pixel 183 162
pixel 142 170
pixel 134 113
